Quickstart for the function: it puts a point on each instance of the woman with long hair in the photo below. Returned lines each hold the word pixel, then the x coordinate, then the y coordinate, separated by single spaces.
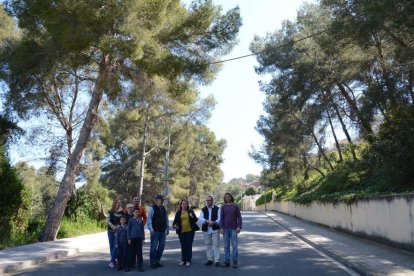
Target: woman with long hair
pixel 185 225
pixel 113 220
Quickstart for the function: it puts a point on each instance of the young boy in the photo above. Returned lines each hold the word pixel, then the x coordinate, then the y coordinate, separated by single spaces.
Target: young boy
pixel 121 243
pixel 135 239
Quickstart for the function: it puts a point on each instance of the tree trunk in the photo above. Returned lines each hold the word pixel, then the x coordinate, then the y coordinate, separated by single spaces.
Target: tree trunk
pixel 143 153
pixel 365 125
pixel 67 185
pixel 321 150
pixel 338 147
pixel 344 129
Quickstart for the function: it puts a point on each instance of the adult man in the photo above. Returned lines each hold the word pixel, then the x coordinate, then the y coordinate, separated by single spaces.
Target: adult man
pixel 158 226
pixel 135 201
pixel 230 226
pixel 210 221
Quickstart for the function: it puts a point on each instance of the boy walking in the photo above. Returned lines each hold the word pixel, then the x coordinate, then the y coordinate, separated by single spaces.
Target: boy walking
pixel 136 237
pixel 121 243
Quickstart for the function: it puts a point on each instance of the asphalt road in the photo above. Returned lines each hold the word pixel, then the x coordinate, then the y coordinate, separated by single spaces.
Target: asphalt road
pixel 264 249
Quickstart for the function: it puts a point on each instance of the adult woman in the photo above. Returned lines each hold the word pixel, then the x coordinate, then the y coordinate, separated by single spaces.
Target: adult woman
pixel 113 221
pixel 185 225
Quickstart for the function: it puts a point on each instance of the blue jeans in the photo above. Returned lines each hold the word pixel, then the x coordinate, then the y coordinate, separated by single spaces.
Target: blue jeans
pixel 157 246
pixel 230 235
pixel 112 249
pixel 186 241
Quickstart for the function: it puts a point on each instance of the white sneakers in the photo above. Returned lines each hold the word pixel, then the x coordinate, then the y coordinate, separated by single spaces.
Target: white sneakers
pixel 111 265
pixel 187 264
pixel 181 263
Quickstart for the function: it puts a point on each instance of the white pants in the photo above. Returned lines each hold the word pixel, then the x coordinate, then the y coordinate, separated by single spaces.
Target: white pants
pixel 212 242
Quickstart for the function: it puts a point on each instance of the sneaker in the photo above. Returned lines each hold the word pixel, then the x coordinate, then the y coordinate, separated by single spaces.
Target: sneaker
pixel 159 265
pixel 235 264
pixel 111 265
pixel 187 264
pixel 225 264
pixel 218 264
pixel 209 262
pixel 181 263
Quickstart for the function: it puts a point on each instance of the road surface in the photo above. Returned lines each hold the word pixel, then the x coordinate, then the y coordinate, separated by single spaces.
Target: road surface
pixel 264 249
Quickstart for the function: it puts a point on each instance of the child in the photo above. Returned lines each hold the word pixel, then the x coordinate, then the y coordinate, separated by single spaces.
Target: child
pixel 121 243
pixel 135 239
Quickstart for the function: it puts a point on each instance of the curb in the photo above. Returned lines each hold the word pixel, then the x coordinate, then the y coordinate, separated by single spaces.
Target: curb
pixel 361 269
pixel 41 253
pixel 52 256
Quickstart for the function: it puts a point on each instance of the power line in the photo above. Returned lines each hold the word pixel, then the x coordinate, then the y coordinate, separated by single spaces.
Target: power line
pixel 282 45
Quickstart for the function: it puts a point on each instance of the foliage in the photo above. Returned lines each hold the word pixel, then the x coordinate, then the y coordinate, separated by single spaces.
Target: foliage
pixel 351 77
pixel 251 191
pixel 73 228
pixel 15 201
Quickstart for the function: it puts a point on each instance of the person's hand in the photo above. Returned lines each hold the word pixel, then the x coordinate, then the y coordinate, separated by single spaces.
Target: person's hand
pixel 167 232
pixel 210 223
pixel 222 231
pixel 129 242
pixel 116 246
pixel 151 232
pixel 238 230
pixel 176 227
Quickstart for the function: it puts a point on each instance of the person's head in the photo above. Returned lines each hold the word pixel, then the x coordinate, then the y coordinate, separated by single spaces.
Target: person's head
pixel 130 208
pixel 184 205
pixel 210 201
pixel 159 200
pixel 228 198
pixel 137 213
pixel 123 220
pixel 135 200
pixel 116 204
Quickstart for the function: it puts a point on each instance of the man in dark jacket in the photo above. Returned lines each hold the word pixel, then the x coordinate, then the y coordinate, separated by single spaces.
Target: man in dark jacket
pixel 158 226
pixel 210 221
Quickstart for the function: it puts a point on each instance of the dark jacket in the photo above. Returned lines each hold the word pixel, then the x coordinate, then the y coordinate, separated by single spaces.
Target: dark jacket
pixel 193 221
pixel 159 218
pixel 214 217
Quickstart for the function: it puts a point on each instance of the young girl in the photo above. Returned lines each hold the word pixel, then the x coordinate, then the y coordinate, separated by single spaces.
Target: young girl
pixel 136 237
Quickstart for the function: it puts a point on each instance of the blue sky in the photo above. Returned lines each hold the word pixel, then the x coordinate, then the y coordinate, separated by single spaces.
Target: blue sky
pixel 236 89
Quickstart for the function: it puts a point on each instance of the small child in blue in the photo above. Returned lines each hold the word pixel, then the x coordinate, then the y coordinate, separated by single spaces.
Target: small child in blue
pixel 136 237
pixel 121 243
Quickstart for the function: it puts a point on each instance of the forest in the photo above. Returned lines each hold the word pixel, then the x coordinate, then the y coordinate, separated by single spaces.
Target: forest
pixel 339 108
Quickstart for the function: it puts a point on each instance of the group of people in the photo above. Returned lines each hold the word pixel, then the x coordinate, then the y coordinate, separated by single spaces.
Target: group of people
pixel 126 232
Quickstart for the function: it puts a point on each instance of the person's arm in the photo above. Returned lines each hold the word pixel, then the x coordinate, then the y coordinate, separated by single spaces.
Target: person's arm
pixel 116 239
pixel 176 222
pixel 149 221
pixel 144 215
pixel 201 218
pixel 193 217
pixel 239 218
pixel 217 222
pixel 108 221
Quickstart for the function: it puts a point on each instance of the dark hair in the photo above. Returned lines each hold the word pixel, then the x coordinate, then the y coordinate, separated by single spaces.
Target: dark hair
pixel 188 204
pixel 231 197
pixel 124 217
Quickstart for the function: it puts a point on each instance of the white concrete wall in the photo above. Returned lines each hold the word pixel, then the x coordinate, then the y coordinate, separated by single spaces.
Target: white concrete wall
pixel 249 202
pixel 389 219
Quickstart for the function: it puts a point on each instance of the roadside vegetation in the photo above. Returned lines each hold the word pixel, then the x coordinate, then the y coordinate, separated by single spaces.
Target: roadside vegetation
pixel 339 122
